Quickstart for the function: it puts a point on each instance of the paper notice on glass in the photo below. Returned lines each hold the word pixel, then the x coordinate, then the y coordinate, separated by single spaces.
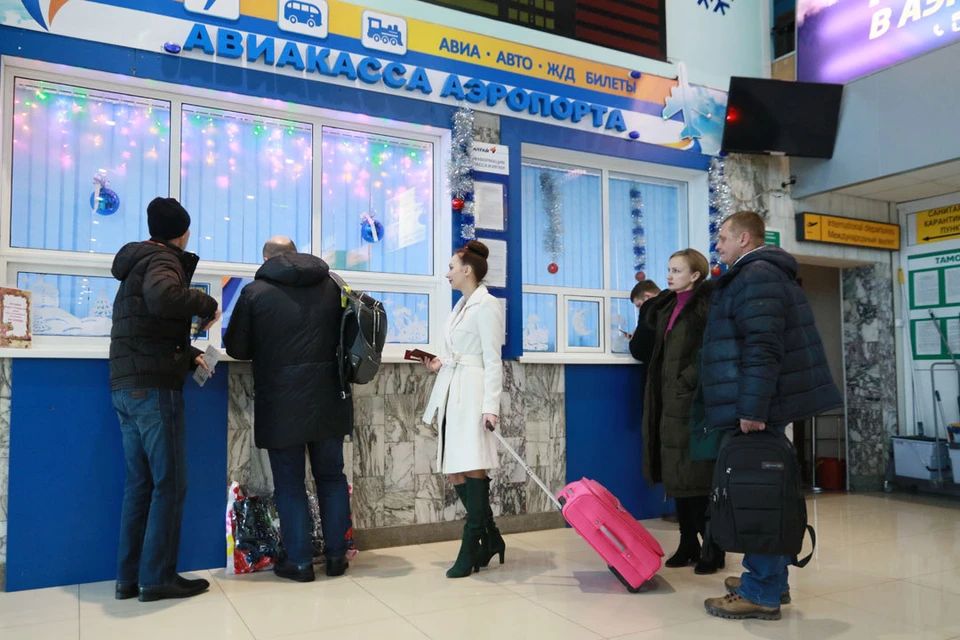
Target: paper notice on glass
pixel 953 335
pixel 927 338
pixel 408 212
pixel 926 289
pixel 15 318
pixel 496 264
pixel 488 199
pixel 211 357
pixel 951 279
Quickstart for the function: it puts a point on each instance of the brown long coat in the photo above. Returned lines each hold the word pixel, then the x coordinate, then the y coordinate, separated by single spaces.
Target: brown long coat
pixel 672 378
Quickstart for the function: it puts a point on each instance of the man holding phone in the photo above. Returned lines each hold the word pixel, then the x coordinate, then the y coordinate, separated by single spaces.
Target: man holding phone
pixel 642 339
pixel 150 356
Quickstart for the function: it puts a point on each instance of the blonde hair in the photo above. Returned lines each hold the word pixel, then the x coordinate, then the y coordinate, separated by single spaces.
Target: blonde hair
pixel 696 261
pixel 748 222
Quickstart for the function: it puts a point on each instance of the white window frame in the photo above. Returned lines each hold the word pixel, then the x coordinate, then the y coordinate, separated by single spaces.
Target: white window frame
pixel 13 259
pixel 613 332
pixel 693 232
pixel 601 330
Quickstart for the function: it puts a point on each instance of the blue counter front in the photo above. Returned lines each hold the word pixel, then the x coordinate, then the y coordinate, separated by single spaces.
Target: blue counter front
pixel 67 474
pixel 604 442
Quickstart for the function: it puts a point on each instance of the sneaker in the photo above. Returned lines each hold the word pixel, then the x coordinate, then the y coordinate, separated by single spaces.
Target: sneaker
pixel 733 607
pixel 733 585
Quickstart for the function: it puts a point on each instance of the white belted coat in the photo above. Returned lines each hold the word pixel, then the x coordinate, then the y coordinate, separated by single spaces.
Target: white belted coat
pixel 468 384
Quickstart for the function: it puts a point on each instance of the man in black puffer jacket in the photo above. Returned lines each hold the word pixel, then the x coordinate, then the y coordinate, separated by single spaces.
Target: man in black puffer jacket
pixel 763 366
pixel 288 322
pixel 150 356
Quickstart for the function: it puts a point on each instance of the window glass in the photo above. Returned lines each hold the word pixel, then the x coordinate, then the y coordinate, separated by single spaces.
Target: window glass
pixel 85 165
pixel 244 179
pixel 562 226
pixel 377 203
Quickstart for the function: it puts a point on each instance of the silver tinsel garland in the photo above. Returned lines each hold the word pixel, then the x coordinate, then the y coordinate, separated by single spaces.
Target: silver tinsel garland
pixel 721 204
pixel 553 237
pixel 639 236
pixel 461 170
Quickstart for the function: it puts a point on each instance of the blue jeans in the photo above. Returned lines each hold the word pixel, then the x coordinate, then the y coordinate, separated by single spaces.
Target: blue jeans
pixel 289 469
pixel 764 580
pixel 154 447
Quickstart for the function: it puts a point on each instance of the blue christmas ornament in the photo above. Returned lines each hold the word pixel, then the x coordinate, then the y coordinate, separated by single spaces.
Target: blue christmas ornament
pixel 366 231
pixel 107 203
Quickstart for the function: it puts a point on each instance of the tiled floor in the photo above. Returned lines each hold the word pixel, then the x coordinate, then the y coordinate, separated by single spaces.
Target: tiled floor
pixel 887 567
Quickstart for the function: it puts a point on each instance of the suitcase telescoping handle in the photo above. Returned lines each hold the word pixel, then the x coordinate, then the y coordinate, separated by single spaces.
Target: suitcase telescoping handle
pixel 526 468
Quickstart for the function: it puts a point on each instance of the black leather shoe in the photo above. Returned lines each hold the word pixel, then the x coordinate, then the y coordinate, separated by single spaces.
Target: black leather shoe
pixel 295 572
pixel 192 584
pixel 181 588
pixel 126 591
pixel 337 566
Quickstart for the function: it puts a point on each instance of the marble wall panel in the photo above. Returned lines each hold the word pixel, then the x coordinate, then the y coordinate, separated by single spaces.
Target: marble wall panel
pixel 392 458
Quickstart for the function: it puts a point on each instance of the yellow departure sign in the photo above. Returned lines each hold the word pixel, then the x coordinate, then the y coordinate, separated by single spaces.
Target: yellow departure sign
pixel 818 227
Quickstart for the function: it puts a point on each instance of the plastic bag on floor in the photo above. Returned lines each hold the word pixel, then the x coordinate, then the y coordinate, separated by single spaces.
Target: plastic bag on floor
pixel 351 546
pixel 316 531
pixel 253 532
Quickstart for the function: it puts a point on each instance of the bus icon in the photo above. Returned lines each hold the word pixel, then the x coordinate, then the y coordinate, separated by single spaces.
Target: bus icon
pixel 302 13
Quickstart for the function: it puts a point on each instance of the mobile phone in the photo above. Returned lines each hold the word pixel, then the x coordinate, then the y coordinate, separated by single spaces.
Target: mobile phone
pixel 621 330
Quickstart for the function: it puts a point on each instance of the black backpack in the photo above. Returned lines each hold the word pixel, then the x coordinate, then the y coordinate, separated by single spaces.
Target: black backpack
pixel 757 504
pixel 363 332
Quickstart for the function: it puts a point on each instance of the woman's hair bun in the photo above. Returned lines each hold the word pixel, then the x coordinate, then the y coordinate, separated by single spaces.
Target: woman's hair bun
pixel 477 247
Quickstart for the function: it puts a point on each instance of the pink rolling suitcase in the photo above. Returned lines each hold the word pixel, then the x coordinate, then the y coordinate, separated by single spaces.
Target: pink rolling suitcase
pixel 630 551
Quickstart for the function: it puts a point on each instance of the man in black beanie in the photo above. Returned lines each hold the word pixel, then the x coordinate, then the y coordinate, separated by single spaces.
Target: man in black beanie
pixel 150 357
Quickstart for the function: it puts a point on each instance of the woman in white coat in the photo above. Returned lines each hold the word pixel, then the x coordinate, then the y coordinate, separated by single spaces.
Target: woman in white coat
pixel 466 396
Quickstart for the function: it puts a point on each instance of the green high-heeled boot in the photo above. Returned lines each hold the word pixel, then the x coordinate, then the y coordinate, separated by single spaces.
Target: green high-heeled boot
pixel 468 560
pixel 491 542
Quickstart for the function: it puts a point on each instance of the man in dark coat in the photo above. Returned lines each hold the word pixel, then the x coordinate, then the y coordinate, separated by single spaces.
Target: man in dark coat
pixel 150 356
pixel 641 342
pixel 763 367
pixel 288 322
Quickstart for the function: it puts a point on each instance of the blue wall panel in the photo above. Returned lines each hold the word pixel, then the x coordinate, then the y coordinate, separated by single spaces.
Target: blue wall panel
pixel 67 474
pixel 603 435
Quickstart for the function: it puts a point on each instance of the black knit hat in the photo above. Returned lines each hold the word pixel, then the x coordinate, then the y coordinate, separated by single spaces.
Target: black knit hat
pixel 167 219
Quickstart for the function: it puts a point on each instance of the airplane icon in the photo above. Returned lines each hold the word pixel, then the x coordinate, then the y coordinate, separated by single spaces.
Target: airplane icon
pixel 682 98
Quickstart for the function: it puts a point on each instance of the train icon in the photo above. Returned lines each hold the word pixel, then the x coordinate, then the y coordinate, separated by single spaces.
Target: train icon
pixel 389 34
pixel 383 32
